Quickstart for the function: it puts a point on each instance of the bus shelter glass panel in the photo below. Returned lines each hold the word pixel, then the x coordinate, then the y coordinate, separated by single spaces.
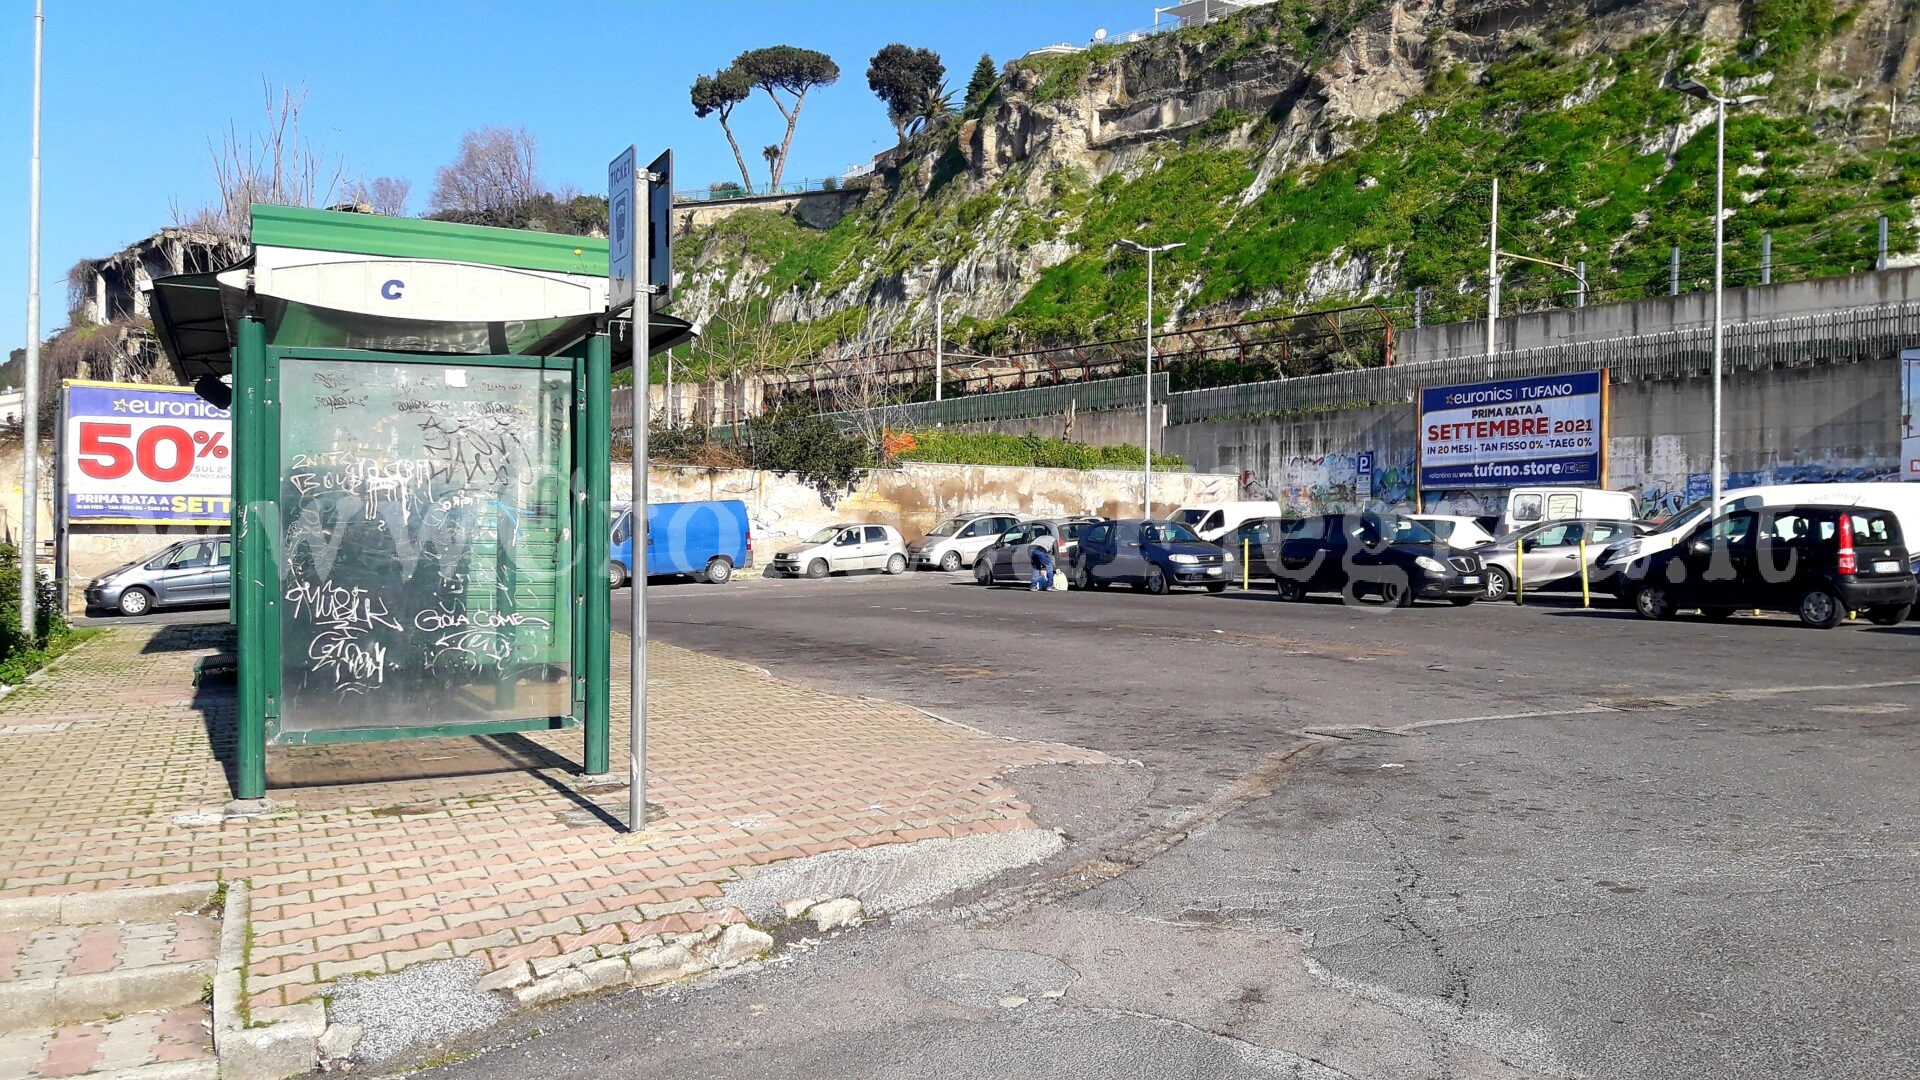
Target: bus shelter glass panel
pixel 424 554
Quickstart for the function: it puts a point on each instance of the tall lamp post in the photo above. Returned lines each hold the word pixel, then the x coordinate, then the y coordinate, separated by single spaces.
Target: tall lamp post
pixel 1146 475
pixel 30 395
pixel 1695 88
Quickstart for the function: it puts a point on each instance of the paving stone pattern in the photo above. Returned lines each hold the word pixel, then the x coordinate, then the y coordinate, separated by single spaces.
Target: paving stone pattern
pixel 126 1042
pixel 382 855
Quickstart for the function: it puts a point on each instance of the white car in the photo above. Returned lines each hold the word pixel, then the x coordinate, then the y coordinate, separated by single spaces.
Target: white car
pixel 848 546
pixel 957 541
pixel 1211 521
pixel 1460 533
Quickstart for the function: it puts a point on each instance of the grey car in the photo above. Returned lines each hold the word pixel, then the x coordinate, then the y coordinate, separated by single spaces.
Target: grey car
pixel 1006 559
pixel 955 542
pixel 197 571
pixel 853 545
pixel 1548 556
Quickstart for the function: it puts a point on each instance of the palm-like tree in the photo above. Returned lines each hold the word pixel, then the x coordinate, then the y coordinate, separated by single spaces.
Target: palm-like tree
pixel 772 153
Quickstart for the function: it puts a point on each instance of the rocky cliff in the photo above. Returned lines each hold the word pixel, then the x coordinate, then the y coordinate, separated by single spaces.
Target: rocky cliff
pixel 1310 153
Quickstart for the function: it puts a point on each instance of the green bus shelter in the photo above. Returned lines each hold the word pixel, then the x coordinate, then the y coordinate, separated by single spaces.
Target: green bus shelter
pixel 421 475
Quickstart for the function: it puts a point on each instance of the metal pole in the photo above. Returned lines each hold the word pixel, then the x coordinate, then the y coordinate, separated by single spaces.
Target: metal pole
pixel 1881 262
pixel 1673 272
pixel 1493 267
pixel 1766 258
pixel 1419 305
pixel 637 597
pixel 1719 237
pixel 1146 475
pixel 61 569
pixel 30 395
pixel 1580 300
pixel 939 342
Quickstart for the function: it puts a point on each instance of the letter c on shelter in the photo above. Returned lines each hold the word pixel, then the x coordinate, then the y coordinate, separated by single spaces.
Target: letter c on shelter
pixel 391 290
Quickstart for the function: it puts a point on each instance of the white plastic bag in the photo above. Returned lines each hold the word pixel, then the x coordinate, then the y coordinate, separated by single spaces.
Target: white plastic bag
pixel 1059 581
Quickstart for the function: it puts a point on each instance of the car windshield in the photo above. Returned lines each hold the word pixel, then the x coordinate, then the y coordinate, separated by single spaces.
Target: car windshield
pixel 824 535
pixel 1167 532
pixel 1190 517
pixel 948 528
pixel 1399 530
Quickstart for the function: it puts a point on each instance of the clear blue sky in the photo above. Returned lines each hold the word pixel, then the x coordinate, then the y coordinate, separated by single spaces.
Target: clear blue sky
pixel 135 90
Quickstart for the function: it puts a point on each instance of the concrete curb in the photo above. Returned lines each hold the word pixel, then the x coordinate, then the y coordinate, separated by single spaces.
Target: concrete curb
pixel 272 1043
pixel 679 957
pixel 76 999
pixel 151 904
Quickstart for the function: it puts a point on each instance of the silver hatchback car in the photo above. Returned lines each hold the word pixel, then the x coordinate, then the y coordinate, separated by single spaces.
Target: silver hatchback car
pixel 847 546
pixel 197 571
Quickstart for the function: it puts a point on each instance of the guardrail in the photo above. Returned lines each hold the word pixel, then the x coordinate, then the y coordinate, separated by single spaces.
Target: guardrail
pixel 1847 335
pixel 1096 396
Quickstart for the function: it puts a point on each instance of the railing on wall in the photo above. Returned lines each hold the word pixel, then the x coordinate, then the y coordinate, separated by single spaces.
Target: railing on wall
pixel 1096 396
pixel 1846 336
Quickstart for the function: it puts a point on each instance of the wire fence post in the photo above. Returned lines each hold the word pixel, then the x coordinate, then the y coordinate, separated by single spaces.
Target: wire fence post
pixel 1673 272
pixel 1580 299
pixel 1766 258
pixel 1880 263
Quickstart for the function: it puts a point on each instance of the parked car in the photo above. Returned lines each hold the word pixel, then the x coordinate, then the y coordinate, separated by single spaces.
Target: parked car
pixel 1817 561
pixel 1256 544
pixel 707 539
pixel 1547 556
pixel 1211 521
pixel 1901 498
pixel 197 571
pixel 1006 558
pixel 954 542
pixel 1149 555
pixel 850 546
pixel 1394 558
pixel 1460 533
pixel 1526 506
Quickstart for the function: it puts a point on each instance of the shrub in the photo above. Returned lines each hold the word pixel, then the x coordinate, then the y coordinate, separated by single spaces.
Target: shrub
pixel 985 448
pixel 20 655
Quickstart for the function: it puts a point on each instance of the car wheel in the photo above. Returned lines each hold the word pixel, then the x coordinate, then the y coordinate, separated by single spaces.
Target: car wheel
pixel 1082 579
pixel 982 573
pixel 1216 586
pixel 1717 614
pixel 1892 615
pixel 1820 609
pixel 1289 589
pixel 719 570
pixel 1396 594
pixel 136 601
pixel 616 575
pixel 897 564
pixel 950 561
pixel 817 568
pixel 1156 582
pixel 1499 583
pixel 1653 602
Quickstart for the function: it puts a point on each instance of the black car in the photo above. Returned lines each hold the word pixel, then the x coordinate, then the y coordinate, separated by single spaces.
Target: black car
pixel 1816 561
pixel 1368 554
pixel 1150 555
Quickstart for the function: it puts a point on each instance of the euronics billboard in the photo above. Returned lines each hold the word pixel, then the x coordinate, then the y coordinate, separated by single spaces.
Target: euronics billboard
pixel 1514 432
pixel 1910 417
pixel 145 455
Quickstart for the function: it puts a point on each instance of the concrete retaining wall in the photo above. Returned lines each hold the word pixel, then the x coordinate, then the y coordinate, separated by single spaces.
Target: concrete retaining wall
pixel 916 496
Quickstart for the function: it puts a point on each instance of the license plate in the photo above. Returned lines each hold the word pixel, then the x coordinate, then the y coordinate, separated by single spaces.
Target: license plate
pixel 1887 566
pixel 1213 569
pixel 1470 579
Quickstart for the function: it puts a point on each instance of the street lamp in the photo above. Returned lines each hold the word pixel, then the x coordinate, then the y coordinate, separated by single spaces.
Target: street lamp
pixel 1695 88
pixel 1146 485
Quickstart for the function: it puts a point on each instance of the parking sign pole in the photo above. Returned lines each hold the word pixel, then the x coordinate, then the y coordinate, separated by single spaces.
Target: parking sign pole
pixel 642 420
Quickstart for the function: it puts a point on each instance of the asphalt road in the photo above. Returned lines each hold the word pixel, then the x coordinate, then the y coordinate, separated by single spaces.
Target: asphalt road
pixel 1355 842
pixel 1488 842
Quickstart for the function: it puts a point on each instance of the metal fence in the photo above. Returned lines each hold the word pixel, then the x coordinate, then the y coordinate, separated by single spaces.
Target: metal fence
pixel 1124 393
pixel 1845 336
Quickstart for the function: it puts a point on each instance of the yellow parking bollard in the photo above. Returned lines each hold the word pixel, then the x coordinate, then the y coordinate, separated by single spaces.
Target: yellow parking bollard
pixel 1246 568
pixel 1586 593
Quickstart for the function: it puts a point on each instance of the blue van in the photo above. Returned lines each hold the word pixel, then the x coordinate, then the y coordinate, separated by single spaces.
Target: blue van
pixel 707 539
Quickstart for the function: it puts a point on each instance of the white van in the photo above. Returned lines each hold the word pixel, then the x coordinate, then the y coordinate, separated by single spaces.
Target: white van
pixel 1211 521
pixel 1530 506
pixel 1902 499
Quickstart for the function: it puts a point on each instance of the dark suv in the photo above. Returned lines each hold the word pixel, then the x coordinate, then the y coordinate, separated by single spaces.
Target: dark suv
pixel 1150 555
pixel 1398 560
pixel 1818 562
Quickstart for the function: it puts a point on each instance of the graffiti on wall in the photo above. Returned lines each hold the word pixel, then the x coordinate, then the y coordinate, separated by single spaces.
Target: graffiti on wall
pixel 1666 496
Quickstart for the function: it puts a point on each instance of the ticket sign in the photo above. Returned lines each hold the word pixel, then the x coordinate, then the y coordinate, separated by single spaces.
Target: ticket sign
pixel 1513 432
pixel 145 455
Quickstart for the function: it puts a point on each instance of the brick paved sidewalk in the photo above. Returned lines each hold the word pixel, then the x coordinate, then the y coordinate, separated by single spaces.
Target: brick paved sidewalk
pixel 388 854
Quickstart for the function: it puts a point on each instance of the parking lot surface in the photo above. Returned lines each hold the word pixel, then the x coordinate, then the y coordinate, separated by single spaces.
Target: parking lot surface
pixel 1350 841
